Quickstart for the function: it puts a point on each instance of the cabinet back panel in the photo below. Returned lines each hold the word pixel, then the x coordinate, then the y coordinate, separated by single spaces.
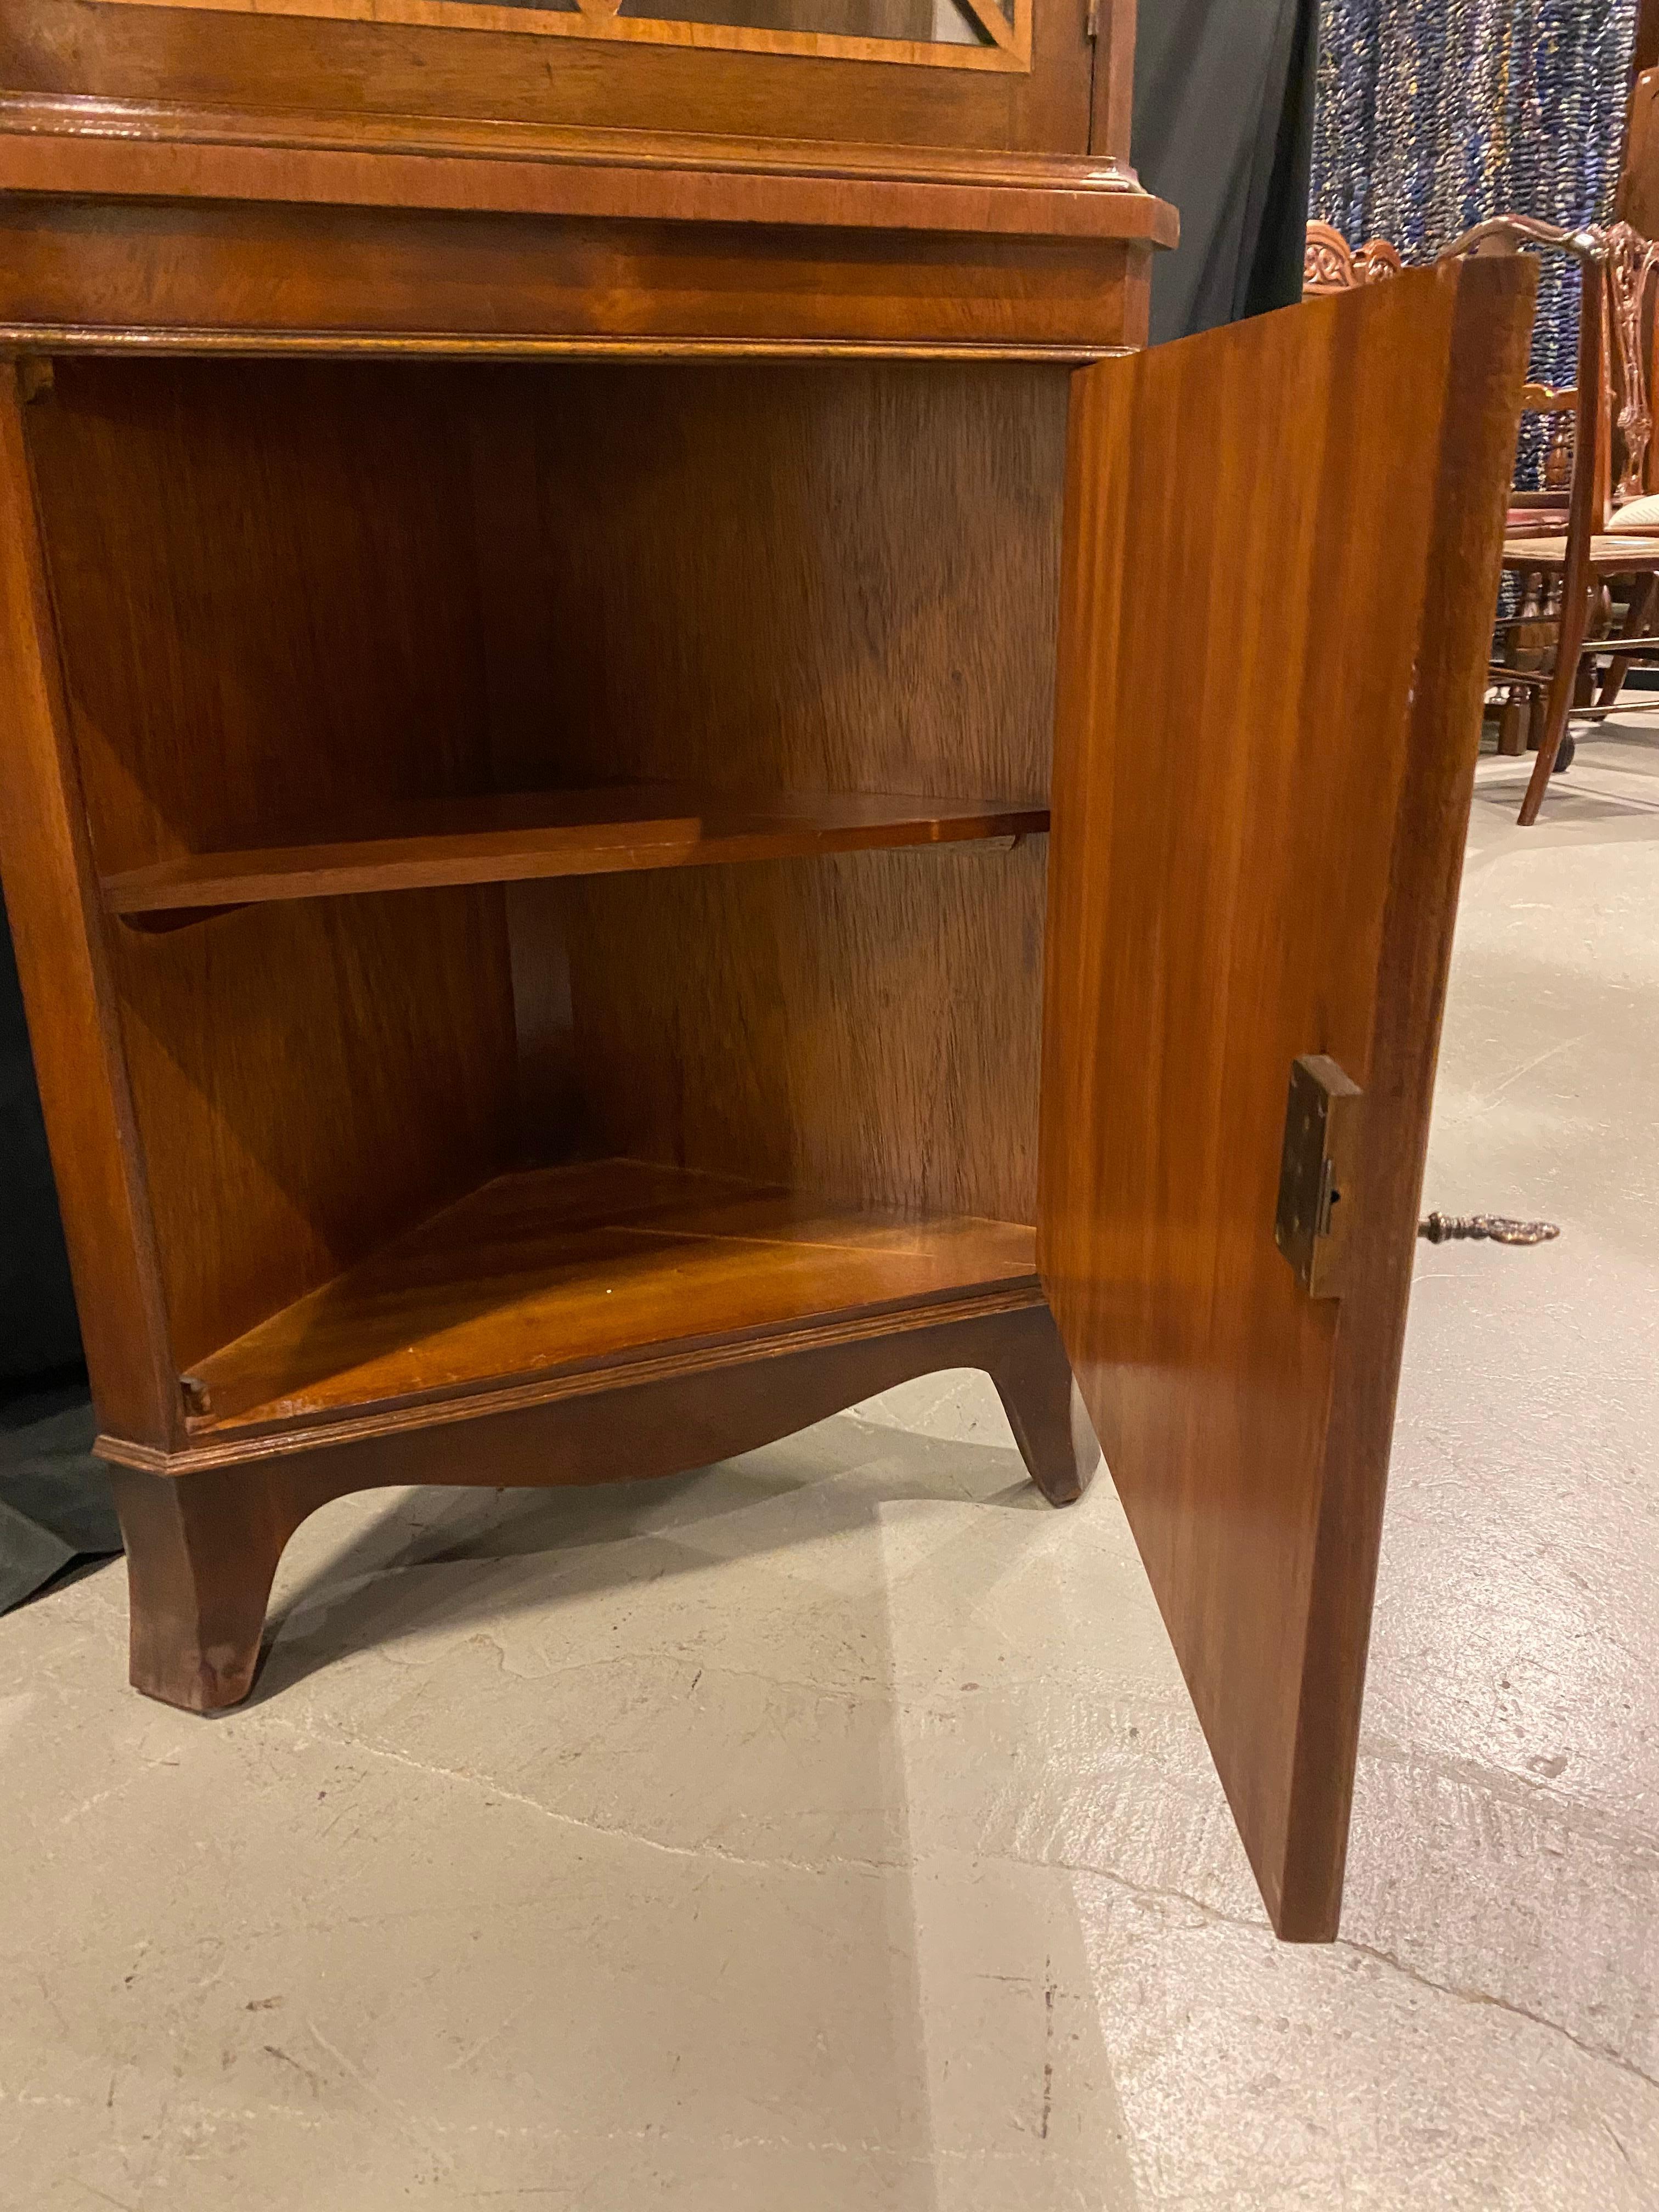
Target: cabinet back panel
pixel 867 1027
pixel 839 576
pixel 268 619
pixel 835 577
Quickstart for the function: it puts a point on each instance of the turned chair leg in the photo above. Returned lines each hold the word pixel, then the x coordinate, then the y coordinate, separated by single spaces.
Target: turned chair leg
pixel 1637 613
pixel 1044 1409
pixel 1512 723
pixel 202 1552
pixel 1575 622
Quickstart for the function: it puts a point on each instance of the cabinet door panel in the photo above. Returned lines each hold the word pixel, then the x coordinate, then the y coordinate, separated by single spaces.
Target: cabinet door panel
pixel 1281 570
pixel 1000 76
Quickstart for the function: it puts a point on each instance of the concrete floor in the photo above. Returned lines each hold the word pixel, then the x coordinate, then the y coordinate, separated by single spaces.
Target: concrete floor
pixel 828 1831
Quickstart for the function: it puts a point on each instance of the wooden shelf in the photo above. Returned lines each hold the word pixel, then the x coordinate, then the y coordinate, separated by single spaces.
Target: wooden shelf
pixel 513 838
pixel 557 1270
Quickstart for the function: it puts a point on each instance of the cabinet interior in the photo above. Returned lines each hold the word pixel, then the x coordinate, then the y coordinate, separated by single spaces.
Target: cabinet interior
pixel 571 839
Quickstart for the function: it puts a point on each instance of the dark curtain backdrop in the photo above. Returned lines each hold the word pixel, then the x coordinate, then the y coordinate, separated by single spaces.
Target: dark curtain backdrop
pixel 1224 123
pixel 38 1333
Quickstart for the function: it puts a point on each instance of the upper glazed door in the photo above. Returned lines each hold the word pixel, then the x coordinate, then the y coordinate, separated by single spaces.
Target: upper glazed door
pixel 1280 570
pixel 987 76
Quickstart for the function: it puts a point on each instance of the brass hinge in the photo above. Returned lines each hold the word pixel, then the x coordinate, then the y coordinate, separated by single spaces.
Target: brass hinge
pixel 1316 1174
pixel 1092 19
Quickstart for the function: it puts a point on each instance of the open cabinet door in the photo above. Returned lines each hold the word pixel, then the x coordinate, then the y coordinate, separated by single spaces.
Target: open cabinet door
pixel 1281 566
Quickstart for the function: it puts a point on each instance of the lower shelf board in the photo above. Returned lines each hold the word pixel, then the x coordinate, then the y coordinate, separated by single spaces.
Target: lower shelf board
pixel 563 1269
pixel 516 837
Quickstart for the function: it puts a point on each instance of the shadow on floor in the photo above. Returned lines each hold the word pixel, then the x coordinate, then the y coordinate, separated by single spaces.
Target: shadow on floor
pixel 385 1583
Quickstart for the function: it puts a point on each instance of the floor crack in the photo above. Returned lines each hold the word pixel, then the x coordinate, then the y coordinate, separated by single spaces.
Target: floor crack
pixel 342 1740
pixel 1464 1995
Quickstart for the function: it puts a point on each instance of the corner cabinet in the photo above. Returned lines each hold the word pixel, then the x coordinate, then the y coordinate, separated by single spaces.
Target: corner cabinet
pixel 649 781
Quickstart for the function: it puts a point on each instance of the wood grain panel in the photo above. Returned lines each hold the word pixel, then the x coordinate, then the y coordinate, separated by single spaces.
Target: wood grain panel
pixel 704 175
pixel 125 150
pixel 309 1080
pixel 837 579
pixel 521 836
pixel 1644 51
pixel 1281 565
pixel 585 1266
pixel 822 30
pixel 1113 101
pixel 68 992
pixel 866 1027
pixel 266 61
pixel 1638 175
pixel 78 270
pixel 264 624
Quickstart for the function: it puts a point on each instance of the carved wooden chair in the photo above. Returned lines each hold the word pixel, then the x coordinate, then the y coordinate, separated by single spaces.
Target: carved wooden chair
pixel 1576 556
pixel 1330 265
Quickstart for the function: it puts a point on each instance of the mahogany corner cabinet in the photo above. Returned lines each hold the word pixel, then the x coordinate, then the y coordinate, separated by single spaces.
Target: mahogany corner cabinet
pixel 651 777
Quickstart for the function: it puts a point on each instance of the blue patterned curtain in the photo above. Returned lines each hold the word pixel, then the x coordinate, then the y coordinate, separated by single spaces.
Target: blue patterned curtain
pixel 1434 114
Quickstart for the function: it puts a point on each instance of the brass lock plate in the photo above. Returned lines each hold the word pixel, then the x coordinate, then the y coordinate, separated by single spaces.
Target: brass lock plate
pixel 1316 1173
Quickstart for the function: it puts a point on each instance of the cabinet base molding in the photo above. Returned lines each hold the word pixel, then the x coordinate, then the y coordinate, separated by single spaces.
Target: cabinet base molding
pixel 203 1546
